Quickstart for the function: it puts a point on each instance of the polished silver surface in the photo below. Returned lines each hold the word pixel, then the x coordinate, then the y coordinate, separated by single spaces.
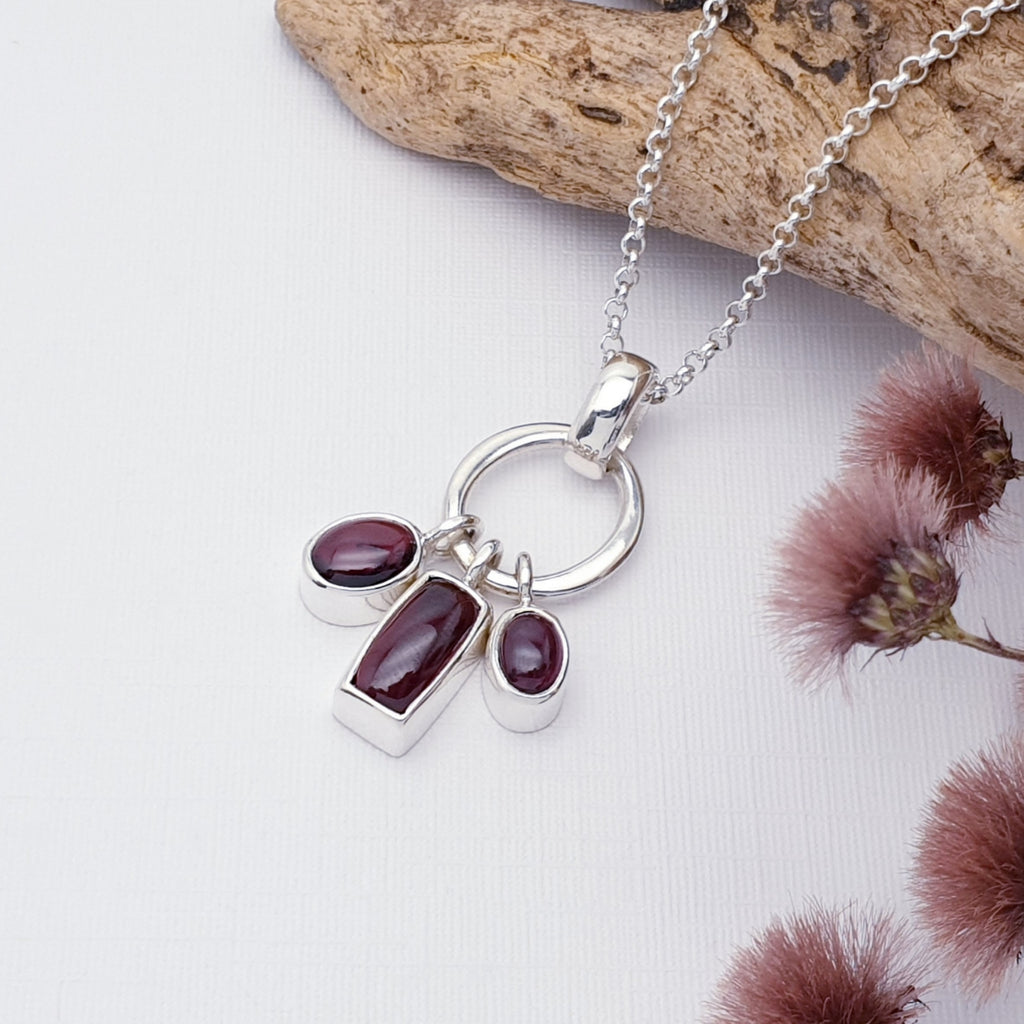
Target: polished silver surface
pixel 578 577
pixel 395 733
pixel 440 538
pixel 511 708
pixel 486 559
pixel 524 577
pixel 355 606
pixel 610 415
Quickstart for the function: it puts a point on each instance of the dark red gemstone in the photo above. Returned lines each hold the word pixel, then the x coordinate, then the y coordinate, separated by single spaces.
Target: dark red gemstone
pixel 412 650
pixel 363 552
pixel 531 653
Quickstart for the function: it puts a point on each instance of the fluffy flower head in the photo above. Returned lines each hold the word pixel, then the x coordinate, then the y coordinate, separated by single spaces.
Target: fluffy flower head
pixel 863 563
pixel 822 967
pixel 927 411
pixel 969 868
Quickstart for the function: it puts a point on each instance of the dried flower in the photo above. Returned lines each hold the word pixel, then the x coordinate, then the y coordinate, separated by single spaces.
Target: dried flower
pixel 863 564
pixel 969 867
pixel 822 967
pixel 928 411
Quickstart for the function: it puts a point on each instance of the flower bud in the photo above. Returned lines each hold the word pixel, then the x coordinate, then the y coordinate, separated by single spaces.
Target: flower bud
pixel 927 412
pixel 864 563
pixel 909 597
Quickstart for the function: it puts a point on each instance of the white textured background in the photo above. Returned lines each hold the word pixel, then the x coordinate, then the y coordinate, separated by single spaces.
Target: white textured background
pixel 229 314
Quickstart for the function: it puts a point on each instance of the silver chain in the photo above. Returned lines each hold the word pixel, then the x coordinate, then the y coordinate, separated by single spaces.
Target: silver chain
pixel 648 178
pixel 883 94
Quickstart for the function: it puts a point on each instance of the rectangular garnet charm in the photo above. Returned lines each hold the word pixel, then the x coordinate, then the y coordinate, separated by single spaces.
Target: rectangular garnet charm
pixel 413 663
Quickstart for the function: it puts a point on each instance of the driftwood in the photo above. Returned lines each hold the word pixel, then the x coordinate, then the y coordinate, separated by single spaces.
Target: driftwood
pixel 926 220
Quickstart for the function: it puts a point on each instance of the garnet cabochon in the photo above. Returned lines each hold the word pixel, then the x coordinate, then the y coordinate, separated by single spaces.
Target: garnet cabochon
pixel 416 644
pixel 527 660
pixel 354 570
pixel 364 552
pixel 413 663
pixel 531 653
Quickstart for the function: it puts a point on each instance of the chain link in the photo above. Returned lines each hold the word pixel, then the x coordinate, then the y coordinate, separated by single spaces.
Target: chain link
pixel 883 94
pixel 648 178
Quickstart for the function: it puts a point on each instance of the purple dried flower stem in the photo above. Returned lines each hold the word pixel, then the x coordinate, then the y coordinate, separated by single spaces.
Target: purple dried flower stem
pixel 951 630
pixel 868 562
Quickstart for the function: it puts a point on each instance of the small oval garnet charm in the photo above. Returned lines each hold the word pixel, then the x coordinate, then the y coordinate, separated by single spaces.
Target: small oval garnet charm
pixel 527 657
pixel 356 568
pixel 531 652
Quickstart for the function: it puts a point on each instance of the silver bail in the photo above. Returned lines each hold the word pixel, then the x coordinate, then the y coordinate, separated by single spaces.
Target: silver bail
pixel 609 417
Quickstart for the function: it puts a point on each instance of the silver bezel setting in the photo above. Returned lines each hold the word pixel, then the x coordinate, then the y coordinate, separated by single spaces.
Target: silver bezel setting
pixel 511 708
pixel 356 606
pixel 395 733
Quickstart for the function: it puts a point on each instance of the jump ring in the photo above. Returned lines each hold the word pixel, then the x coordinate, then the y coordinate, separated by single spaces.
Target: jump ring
pixel 583 574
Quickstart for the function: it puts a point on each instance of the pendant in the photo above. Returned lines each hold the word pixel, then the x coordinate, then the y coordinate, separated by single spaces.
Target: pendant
pixel 354 569
pixel 436 625
pixel 357 567
pixel 527 658
pixel 416 660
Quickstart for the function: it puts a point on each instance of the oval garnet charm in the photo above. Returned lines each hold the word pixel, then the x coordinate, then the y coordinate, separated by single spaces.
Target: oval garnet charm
pixel 527 657
pixel 363 553
pixel 356 568
pixel 531 652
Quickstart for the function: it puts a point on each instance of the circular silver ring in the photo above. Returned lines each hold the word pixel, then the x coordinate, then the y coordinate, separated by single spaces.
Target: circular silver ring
pixel 601 564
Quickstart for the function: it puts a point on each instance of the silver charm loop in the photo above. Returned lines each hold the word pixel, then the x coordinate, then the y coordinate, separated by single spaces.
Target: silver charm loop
pixel 524 578
pixel 487 558
pixel 440 538
pixel 609 417
pixel 577 577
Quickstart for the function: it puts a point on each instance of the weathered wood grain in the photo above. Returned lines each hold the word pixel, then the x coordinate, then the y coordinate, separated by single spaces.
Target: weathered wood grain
pixel 925 221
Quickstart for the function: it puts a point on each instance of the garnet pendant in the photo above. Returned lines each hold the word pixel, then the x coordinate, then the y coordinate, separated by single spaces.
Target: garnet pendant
pixel 413 663
pixel 362 567
pixel 527 657
pixel 357 567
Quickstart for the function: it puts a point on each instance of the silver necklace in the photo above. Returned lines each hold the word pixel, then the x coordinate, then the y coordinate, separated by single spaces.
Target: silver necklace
pixel 433 624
